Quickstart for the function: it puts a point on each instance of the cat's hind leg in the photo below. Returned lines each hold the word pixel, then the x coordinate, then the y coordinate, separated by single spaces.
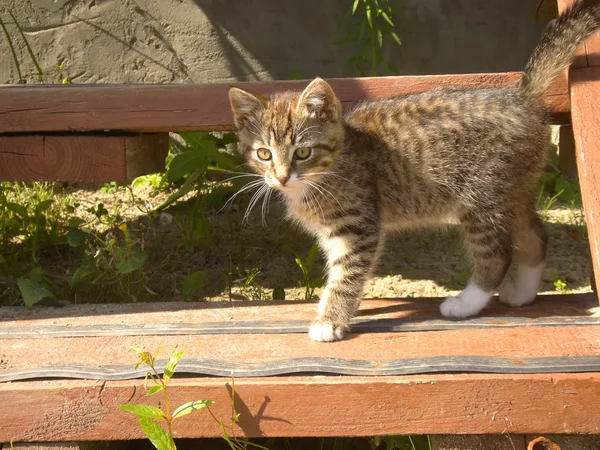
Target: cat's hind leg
pixel 530 247
pixel 488 240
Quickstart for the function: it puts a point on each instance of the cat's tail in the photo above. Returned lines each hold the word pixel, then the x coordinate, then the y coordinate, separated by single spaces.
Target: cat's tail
pixel 557 48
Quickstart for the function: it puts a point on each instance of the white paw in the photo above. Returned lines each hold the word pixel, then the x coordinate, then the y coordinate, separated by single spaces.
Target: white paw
pixel 509 295
pixel 470 302
pixel 454 307
pixel 325 332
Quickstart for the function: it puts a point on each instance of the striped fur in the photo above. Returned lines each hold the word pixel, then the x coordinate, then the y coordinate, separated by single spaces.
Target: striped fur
pixel 469 155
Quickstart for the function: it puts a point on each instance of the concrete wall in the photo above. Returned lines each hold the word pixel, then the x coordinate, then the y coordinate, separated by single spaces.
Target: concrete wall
pixel 158 41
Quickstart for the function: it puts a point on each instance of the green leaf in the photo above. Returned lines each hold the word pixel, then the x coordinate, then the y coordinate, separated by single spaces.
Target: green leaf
pixel 310 258
pixel 186 163
pixel 130 261
pixel 76 238
pixel 154 389
pixel 190 407
pixel 151 412
pixel 76 280
pixel 279 293
pixel 43 206
pixel 396 38
pixel 193 282
pixel 187 186
pixel 301 265
pixel 18 209
pixel 172 365
pixel 369 19
pixel 380 37
pixel 157 435
pixel 227 138
pixel 33 291
pixel 76 222
pixel 196 139
pixel 354 6
pixel 387 18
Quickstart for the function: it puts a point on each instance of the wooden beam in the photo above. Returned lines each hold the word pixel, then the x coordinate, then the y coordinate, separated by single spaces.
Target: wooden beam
pixel 151 108
pixel 311 406
pixel 585 103
pixel 97 157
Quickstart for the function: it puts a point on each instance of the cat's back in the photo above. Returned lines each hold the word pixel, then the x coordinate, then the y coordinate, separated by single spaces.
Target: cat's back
pixel 440 114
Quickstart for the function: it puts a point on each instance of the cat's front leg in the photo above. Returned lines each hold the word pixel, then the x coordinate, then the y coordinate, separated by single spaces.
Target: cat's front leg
pixel 351 254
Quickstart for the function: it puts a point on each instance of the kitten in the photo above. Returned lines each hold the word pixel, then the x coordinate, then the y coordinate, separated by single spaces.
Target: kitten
pixel 474 155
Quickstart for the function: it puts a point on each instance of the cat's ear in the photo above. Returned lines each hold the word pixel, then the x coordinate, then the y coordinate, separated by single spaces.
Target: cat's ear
pixel 245 106
pixel 319 101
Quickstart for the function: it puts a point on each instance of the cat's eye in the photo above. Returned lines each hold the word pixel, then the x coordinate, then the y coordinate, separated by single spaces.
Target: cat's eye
pixel 302 153
pixel 264 154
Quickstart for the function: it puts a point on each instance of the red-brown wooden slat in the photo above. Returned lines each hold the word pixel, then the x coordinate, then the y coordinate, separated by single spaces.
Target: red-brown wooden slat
pixel 312 406
pixel 151 108
pixel 585 101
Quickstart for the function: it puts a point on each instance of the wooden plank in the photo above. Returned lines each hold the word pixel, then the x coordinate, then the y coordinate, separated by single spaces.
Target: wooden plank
pixel 585 102
pixel 81 157
pixel 516 343
pixel 312 406
pixel 151 108
pixel 172 314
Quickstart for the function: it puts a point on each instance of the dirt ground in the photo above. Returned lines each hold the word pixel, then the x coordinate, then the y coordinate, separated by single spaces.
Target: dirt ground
pixel 421 263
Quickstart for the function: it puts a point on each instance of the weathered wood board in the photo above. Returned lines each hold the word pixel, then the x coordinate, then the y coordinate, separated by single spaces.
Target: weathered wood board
pixel 81 157
pixel 555 334
pixel 151 108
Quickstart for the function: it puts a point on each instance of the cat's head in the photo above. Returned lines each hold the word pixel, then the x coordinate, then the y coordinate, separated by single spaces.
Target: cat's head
pixel 291 138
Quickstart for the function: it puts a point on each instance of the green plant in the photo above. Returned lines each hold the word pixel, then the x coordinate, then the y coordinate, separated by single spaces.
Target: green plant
pixel 310 284
pixel 193 282
pixel 202 153
pixel 110 260
pixel 560 285
pixel 161 436
pixel 21 79
pixel 372 23
pixel 554 185
pixel 32 217
pixel 250 289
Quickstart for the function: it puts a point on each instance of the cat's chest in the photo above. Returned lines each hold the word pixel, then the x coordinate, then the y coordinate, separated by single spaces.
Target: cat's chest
pixel 312 216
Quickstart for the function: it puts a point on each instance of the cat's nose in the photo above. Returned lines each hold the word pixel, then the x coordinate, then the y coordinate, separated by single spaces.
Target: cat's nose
pixel 283 180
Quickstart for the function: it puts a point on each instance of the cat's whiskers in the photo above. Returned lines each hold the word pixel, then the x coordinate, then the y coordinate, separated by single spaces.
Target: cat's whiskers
pixel 247 187
pixel 255 198
pixel 323 190
pixel 265 205
pixel 310 196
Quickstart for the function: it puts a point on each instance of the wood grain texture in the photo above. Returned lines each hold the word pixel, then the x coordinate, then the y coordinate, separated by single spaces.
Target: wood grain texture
pixel 150 108
pixel 312 406
pixel 585 102
pixel 81 157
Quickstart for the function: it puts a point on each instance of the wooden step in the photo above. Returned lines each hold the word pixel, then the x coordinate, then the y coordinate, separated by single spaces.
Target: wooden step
pixel 528 370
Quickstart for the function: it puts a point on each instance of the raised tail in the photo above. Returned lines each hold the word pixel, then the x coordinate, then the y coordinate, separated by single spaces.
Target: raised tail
pixel 559 43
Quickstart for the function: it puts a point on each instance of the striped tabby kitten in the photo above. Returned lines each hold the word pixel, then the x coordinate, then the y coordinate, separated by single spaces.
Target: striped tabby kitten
pixel 469 154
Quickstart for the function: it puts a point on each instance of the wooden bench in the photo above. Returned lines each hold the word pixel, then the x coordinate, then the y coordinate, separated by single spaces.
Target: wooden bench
pixel 403 370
